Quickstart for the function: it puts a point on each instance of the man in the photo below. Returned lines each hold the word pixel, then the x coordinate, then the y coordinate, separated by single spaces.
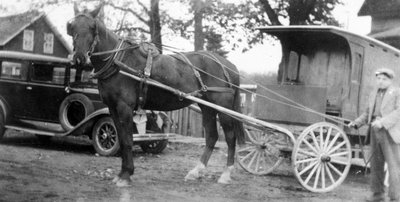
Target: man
pixel 383 115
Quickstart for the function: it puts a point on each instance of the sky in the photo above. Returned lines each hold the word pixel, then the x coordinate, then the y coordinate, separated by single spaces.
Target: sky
pixel 260 59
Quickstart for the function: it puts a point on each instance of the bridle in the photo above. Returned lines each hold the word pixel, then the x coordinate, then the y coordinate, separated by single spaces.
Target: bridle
pixel 96 38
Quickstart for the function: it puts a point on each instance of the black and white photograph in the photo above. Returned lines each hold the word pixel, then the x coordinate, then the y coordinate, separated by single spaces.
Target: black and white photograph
pixel 200 100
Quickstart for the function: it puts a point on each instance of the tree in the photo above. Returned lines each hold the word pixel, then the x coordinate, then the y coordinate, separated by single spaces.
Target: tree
pixel 236 22
pixel 300 12
pixel 150 17
pixel 146 13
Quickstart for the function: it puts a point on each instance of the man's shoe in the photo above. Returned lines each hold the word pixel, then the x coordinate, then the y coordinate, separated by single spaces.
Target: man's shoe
pixel 395 199
pixel 376 197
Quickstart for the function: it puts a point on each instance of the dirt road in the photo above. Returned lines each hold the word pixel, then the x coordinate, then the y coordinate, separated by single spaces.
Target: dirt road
pixel 67 169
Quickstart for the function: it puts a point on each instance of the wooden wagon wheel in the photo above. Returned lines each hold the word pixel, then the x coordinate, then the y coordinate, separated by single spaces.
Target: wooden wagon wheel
pixel 321 157
pixel 264 150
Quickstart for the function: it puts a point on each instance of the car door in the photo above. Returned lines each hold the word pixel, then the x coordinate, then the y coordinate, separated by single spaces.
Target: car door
pixel 45 91
pixel 13 78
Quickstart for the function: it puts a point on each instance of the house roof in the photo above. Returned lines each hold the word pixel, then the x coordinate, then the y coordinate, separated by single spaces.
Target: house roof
pixel 381 8
pixel 11 26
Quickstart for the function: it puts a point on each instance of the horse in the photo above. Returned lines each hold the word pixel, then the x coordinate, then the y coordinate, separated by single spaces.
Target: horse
pixel 124 95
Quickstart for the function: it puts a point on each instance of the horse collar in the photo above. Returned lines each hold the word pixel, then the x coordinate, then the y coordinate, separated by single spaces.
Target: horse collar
pixel 106 71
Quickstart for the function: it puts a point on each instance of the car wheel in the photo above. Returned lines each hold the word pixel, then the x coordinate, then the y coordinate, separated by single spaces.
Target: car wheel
pixel 154 147
pixel 2 123
pixel 105 137
pixel 74 109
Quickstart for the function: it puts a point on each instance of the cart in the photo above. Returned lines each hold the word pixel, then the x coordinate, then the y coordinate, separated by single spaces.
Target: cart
pixel 321 148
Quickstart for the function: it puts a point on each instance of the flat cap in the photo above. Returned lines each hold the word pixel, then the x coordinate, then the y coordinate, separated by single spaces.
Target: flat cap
pixel 385 71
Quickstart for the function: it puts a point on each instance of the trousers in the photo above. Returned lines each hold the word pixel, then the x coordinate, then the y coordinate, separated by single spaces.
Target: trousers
pixel 384 149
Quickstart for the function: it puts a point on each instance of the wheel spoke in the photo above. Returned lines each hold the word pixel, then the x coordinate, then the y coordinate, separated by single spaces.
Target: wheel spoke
pixel 329 173
pixel 252 159
pixel 339 154
pixel 333 141
pixel 311 173
pixel 258 161
pixel 262 162
pixel 336 147
pixel 306 153
pixel 248 155
pixel 245 149
pixel 305 161
pixel 337 161
pixel 315 140
pixel 308 168
pixel 317 176
pixel 328 135
pixel 321 137
pixel 335 169
pixel 323 176
pixel 310 146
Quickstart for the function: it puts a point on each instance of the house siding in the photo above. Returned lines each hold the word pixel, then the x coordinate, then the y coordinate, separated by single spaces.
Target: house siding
pixel 40 27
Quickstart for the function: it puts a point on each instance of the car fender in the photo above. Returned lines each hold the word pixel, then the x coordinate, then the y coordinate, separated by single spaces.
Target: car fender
pixel 5 108
pixel 89 120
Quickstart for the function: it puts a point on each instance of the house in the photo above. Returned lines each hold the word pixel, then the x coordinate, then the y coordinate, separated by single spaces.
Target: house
pixel 385 16
pixel 32 32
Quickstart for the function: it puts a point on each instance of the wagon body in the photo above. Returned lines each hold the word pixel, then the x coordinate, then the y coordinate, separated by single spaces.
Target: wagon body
pixel 327 69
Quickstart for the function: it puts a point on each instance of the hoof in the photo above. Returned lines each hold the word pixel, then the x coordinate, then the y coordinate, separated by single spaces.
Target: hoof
pixel 124 183
pixel 224 180
pixel 116 179
pixel 192 176
pixel 226 175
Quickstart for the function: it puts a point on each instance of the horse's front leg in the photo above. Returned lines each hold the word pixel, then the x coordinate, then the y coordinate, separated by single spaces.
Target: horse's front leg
pixel 227 125
pixel 122 116
pixel 211 136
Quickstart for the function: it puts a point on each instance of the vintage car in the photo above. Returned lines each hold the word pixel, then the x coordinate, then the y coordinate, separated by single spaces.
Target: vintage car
pixel 47 96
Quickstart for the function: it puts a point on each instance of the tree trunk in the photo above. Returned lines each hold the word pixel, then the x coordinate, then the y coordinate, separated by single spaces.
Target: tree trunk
pixel 155 25
pixel 299 11
pixel 273 17
pixel 198 7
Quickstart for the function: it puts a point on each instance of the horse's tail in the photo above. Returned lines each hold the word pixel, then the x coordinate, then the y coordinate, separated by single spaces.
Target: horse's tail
pixel 238 125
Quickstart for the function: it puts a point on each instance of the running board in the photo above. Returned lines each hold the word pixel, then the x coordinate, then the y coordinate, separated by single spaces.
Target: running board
pixel 35 131
pixel 136 137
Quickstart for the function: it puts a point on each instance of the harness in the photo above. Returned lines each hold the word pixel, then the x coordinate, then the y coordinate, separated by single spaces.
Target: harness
pixel 114 65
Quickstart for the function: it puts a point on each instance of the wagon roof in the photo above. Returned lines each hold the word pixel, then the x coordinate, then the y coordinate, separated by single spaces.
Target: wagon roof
pixel 11 26
pixel 32 57
pixel 324 30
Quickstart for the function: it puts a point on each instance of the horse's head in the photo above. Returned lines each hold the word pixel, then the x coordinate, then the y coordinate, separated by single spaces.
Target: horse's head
pixel 84 30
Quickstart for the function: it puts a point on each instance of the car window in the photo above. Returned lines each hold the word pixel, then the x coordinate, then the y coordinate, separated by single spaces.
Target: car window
pixel 81 76
pixel 48 73
pixel 14 70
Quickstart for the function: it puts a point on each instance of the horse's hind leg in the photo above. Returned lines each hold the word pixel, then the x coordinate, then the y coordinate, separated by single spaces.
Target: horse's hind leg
pixel 211 136
pixel 122 117
pixel 227 125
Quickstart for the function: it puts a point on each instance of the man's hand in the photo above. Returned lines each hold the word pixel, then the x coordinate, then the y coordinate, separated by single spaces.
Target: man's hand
pixel 352 125
pixel 377 124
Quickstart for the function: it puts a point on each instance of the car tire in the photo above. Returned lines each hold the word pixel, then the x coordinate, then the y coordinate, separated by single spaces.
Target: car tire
pixel 154 147
pixel 74 109
pixel 105 138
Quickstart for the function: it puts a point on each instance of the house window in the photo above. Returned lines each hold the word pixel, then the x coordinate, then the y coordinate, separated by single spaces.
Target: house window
pixel 48 43
pixel 28 41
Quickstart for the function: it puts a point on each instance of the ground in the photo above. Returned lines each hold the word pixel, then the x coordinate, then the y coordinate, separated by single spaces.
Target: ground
pixel 67 169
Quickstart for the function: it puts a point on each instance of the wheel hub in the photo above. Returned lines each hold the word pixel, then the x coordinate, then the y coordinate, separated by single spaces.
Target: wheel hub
pixel 325 158
pixel 104 135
